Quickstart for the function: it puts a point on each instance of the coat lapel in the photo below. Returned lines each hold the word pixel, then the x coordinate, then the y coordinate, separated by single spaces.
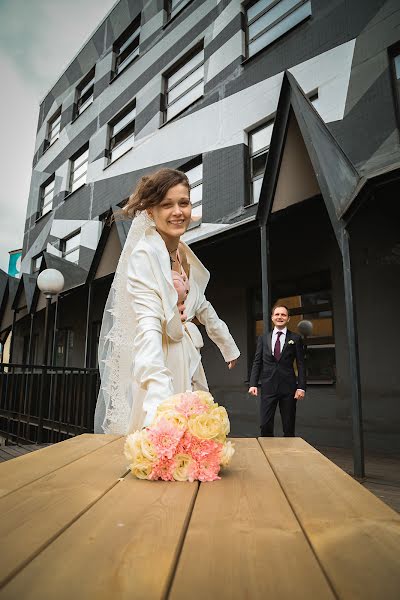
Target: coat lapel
pixel 287 338
pixel 268 339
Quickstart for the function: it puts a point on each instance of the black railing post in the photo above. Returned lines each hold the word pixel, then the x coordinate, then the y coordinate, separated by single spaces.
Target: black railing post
pixel 44 388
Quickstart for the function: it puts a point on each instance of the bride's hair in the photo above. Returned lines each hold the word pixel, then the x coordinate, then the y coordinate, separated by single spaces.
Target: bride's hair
pixel 151 190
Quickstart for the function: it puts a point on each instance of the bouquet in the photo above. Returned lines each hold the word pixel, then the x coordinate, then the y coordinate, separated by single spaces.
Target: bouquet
pixel 185 442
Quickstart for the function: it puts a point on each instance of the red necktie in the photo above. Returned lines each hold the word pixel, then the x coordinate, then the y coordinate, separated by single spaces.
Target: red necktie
pixel 277 347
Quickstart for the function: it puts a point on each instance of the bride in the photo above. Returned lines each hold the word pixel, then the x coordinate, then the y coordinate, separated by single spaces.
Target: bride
pixel 149 346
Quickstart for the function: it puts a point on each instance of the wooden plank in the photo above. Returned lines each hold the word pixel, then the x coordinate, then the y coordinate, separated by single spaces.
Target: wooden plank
pixel 355 536
pixel 124 547
pixel 33 516
pixel 33 465
pixel 243 540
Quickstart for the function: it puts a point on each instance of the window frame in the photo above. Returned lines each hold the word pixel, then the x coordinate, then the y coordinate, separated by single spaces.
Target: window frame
pixel 82 99
pixel 34 267
pixel 270 26
pixel 128 108
pixel 119 50
pixel 192 164
pixel 199 48
pixel 49 141
pixel 270 120
pixel 73 168
pixel 63 243
pixel 169 10
pixel 394 51
pixel 42 197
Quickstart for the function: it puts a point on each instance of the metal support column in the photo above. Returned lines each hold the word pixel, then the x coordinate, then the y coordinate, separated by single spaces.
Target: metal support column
pixel 265 271
pixel 29 353
pixel 44 388
pixel 87 332
pixel 10 360
pixel 352 339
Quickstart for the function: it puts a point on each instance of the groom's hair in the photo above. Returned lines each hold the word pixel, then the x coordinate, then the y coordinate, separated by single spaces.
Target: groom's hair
pixel 279 305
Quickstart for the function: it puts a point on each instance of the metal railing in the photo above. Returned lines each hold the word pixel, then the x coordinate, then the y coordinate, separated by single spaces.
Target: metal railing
pixel 42 404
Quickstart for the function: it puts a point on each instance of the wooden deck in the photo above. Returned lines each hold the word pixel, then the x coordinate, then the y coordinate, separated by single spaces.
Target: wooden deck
pixel 283 522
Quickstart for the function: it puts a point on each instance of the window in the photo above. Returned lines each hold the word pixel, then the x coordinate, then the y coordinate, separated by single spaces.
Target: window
pixel 70 247
pixel 84 93
pixel 395 59
pixel 259 141
pixel 267 20
pixel 184 85
pixel 122 132
pixel 36 263
pixel 64 347
pixel 194 171
pixel 126 48
pixel 79 167
pixel 53 128
pixel 315 307
pixel 174 6
pixel 46 197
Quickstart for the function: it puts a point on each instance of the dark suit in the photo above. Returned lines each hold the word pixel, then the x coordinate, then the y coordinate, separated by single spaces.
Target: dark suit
pixel 278 381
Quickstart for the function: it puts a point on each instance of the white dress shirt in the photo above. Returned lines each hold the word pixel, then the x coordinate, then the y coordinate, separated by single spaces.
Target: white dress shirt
pixel 282 338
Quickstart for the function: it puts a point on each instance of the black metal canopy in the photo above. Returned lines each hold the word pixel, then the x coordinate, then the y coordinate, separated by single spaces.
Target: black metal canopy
pixel 338 179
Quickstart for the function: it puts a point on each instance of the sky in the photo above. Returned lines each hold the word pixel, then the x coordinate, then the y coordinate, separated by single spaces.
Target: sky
pixel 38 39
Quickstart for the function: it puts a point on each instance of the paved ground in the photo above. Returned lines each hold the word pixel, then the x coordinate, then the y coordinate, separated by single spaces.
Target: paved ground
pixel 382 471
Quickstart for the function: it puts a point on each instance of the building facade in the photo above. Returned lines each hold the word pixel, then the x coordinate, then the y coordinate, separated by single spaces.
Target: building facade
pixel 198 85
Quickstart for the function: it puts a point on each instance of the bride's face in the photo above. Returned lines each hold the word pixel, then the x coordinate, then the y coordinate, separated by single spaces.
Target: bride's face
pixel 172 215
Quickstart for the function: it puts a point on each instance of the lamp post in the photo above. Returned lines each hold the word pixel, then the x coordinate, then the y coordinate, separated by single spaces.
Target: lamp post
pixel 50 282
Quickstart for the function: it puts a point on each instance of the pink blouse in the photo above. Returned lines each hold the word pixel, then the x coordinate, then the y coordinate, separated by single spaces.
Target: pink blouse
pixel 182 286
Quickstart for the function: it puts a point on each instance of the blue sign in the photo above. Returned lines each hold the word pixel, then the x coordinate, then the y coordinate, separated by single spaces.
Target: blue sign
pixel 14 264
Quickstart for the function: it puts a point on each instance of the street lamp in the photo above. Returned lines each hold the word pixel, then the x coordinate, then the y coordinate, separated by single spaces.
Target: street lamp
pixel 50 282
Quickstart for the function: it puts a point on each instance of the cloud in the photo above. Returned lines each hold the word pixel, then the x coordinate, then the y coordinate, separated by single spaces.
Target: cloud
pixel 37 41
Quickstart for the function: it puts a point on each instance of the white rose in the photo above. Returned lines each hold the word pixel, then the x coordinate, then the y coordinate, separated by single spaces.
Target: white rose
pixel 228 450
pixel 181 467
pixel 132 445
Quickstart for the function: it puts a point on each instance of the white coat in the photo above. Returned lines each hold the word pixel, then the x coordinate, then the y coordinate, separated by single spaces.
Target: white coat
pixel 166 353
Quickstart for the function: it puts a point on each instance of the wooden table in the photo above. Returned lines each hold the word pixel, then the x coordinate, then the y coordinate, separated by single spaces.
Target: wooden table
pixel 283 522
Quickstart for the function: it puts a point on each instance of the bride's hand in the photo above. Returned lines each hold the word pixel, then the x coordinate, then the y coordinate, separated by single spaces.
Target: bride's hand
pixel 232 363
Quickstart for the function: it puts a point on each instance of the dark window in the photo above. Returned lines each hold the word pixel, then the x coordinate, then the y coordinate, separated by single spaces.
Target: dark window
pixel 395 60
pixel 53 128
pixel 184 84
pixel 46 197
pixel 64 347
pixel 122 132
pixel 84 93
pixel 70 247
pixel 36 263
pixel 267 20
pixel 315 307
pixel 174 6
pixel 126 48
pixel 79 167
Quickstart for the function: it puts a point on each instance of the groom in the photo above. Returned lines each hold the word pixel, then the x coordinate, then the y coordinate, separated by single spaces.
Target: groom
pixel 273 360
